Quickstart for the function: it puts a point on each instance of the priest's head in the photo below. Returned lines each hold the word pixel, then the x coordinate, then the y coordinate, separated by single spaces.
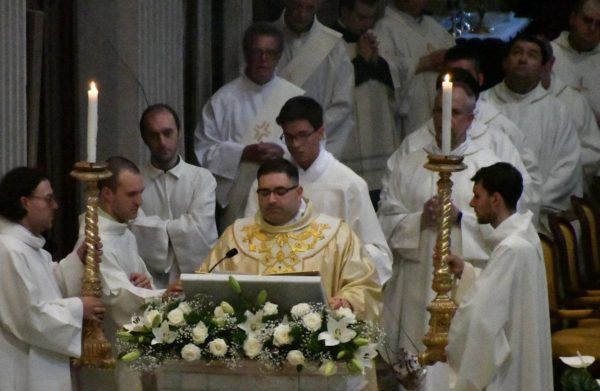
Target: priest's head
pixel 464 57
pixel 301 119
pixel 279 192
pixel 465 92
pixel 524 63
pixel 584 22
pixel 262 45
pixel 27 198
pixel 496 191
pixel 358 15
pixel 160 130
pixel 299 15
pixel 121 193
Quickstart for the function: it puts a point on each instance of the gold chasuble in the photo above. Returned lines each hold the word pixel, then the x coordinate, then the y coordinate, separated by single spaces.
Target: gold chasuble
pixel 315 242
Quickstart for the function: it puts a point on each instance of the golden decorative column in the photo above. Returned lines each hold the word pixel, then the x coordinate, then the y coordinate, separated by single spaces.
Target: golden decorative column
pixel 96 350
pixel 442 308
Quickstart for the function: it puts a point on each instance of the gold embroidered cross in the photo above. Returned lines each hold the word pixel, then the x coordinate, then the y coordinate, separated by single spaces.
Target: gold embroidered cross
pixel 261 130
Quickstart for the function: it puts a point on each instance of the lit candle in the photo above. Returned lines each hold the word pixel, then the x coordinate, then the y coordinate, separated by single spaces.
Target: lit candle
pixel 446 114
pixel 92 122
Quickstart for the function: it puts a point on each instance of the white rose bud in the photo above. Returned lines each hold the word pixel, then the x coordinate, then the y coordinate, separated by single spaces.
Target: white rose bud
pixel 281 335
pixel 344 312
pixel 190 352
pixel 199 333
pixel 175 317
pixel 185 308
pixel 252 346
pixel 299 310
pixel 218 347
pixel 312 321
pixel 152 319
pixel 219 312
pixel 227 307
pixel 295 357
pixel 270 309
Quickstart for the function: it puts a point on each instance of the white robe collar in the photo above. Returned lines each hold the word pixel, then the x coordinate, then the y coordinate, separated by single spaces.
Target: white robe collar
pixel 466 148
pixel 176 171
pixel 506 95
pixel 557 86
pixel 18 231
pixel 563 42
pixel 517 223
pixel 319 167
pixel 108 225
pixel 410 20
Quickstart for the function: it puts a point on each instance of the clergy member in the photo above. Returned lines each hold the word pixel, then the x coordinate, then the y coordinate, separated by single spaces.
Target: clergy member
pixel 176 228
pixel 332 187
pixel 238 131
pixel 39 329
pixel 499 338
pixel 578 53
pixel 314 58
pixel 414 45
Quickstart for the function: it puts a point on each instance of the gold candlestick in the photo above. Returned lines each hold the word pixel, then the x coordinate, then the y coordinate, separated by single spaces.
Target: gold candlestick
pixel 442 307
pixel 96 350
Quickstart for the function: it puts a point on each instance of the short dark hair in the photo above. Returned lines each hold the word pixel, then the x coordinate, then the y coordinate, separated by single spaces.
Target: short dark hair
pixel 460 78
pixel 155 109
pixel 532 39
pixel 463 52
pixel 279 165
pixel 301 107
pixel 18 182
pixel 501 178
pixel 261 28
pixel 116 165
pixel 349 4
pixel 578 6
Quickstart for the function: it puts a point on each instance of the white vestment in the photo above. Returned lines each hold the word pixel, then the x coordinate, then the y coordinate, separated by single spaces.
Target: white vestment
pixel 336 190
pixel 552 137
pixel 39 329
pixel 409 289
pixel 403 40
pixel 578 69
pixel 500 335
pixel 175 229
pixel 317 61
pixel 586 125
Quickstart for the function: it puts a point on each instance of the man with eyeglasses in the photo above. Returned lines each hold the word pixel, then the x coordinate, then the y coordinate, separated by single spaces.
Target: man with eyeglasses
pixel 332 187
pixel 578 54
pixel 238 131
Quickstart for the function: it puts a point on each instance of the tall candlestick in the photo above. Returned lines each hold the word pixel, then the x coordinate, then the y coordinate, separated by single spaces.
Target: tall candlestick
pixel 446 114
pixel 92 122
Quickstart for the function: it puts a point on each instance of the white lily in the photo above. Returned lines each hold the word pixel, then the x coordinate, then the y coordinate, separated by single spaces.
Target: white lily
pixel 578 361
pixel 253 323
pixel 337 332
pixel 365 354
pixel 163 334
pixel 136 324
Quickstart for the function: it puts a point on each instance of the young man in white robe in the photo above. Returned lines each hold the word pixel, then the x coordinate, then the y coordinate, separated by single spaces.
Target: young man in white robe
pixel 414 45
pixel 550 128
pixel 314 58
pixel 238 131
pixel 175 228
pixel 407 213
pixel 333 188
pixel 40 329
pixel 499 337
pixel 577 52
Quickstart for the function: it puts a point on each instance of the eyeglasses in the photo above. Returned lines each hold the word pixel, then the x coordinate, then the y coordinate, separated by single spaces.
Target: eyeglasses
pixel 269 54
pixel 50 198
pixel 278 191
pixel 288 138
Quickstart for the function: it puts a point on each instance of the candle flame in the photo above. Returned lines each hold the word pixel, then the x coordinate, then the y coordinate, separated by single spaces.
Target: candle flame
pixel 447 78
pixel 93 87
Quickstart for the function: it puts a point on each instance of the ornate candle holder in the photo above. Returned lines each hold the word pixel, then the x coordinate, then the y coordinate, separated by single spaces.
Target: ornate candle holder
pixel 96 350
pixel 442 308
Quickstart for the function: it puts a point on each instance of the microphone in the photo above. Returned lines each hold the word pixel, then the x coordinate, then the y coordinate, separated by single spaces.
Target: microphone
pixel 230 254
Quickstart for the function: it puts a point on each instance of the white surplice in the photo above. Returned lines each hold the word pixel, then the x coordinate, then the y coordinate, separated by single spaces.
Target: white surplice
pixel 551 135
pixel 403 40
pixel 175 229
pixel 337 191
pixel 578 69
pixel 325 73
pixel 39 329
pixel 500 335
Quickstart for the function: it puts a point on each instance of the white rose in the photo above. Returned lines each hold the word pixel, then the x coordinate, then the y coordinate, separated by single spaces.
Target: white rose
pixel 227 308
pixel 185 308
pixel 295 357
pixel 152 318
pixel 312 321
pixel 269 309
pixel 218 347
pixel 252 346
pixel 281 335
pixel 175 317
pixel 299 310
pixel 345 312
pixel 219 312
pixel 199 333
pixel 190 352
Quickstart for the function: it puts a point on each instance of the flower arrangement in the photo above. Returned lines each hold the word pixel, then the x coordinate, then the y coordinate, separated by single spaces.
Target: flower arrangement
pixel 311 335
pixel 577 377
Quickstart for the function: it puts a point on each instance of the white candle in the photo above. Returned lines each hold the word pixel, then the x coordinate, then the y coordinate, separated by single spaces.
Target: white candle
pixel 446 114
pixel 92 122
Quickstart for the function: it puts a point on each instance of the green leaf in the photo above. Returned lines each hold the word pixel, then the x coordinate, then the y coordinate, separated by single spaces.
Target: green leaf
pixel 131 356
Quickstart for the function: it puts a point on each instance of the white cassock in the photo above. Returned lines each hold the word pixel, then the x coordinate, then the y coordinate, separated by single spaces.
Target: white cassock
pixel 39 329
pixel 551 135
pixel 409 290
pixel 337 191
pixel 500 335
pixel 238 114
pixel 578 69
pixel 403 40
pixel 586 125
pixel 175 229
pixel 482 135
pixel 317 61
